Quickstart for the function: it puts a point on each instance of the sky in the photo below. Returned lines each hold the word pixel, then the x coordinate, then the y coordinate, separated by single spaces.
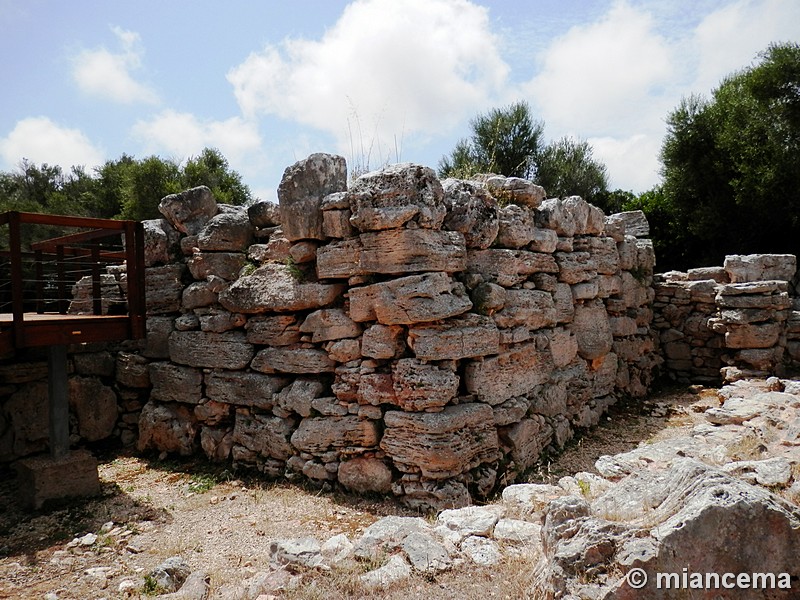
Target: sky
pixel 378 81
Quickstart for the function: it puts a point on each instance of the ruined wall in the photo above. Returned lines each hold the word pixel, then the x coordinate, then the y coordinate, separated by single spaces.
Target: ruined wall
pixel 730 322
pixel 407 335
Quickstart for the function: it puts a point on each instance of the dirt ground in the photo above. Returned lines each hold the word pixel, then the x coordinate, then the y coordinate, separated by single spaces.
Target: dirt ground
pixel 223 522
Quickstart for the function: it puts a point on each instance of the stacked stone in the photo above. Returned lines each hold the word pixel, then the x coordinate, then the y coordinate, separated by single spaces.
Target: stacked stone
pixel 731 322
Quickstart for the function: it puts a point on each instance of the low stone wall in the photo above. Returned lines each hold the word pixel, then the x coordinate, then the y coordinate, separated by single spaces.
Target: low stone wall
pixel 729 322
pixel 407 335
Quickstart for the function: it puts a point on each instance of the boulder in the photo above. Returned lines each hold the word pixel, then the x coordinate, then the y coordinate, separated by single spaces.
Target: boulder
pixel 226 232
pixel 225 265
pixel 264 214
pixel 443 444
pixel 229 350
pixel 634 222
pixel 515 190
pixel 517 226
pixel 276 287
pixel 365 475
pixel 472 211
pixel 301 190
pixel 515 373
pixel 412 299
pixel 190 210
pixel 265 435
pixel 390 197
pixel 175 383
pixel 396 251
pixel 156 242
pixel 453 339
pixel 95 406
pixel 167 428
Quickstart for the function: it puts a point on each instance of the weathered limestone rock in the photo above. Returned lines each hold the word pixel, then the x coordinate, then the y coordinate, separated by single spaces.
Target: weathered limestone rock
pixel 275 250
pixel 330 324
pixel 336 224
pixel 216 443
pixel 297 553
pixel 425 554
pixel 472 211
pixel 383 341
pixel 453 339
pixel 289 359
pixel 278 330
pixel 228 350
pixel 202 293
pixel 300 194
pixel 394 195
pixel 190 210
pixel 411 250
pixel 95 405
pixel 298 396
pixel 163 288
pixel 264 214
pixel 226 232
pixel 634 222
pixel 575 267
pixel 517 226
pixel 563 346
pixel 225 265
pixel 339 260
pixel 266 435
pixel 508 268
pixel 752 336
pixel 544 240
pixel 102 364
pixel 516 190
pixel 419 386
pixel 365 475
pixel 320 434
pixel 27 411
pixel 527 439
pixel 592 330
pixel 443 444
pixel 175 383
pixel 303 252
pixel 167 428
pixel 396 569
pixel 514 373
pixel 412 299
pixel 532 308
pixel 760 267
pixel 603 252
pixel 215 320
pixel 274 287
pixel 243 388
pixel 488 298
pixel 131 370
pixel 156 242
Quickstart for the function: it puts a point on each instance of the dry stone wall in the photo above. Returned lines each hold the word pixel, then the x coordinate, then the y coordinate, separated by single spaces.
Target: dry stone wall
pixel 404 335
pixel 731 322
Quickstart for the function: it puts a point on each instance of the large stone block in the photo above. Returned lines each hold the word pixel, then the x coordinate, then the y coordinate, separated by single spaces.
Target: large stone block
pixel 274 287
pixel 43 479
pixel 175 383
pixel 277 330
pixel 471 210
pixel 330 324
pixel 419 386
pixel 266 435
pixel 515 190
pixel 412 299
pixel 226 232
pixel 603 252
pixel 509 267
pixel 229 350
pixel 300 194
pixel 533 309
pixel 163 288
pixel 763 335
pixel 592 330
pixel 167 428
pixel 243 388
pixel 293 360
pixel 517 226
pixel 190 210
pixel 453 339
pixel 514 373
pixel 320 434
pixel 397 251
pixel 760 267
pixel 95 406
pixel 264 214
pixel 444 444
pixel 634 222
pixel 225 265
pixel 339 260
pixel 383 341
pixel 575 267
pixel 394 195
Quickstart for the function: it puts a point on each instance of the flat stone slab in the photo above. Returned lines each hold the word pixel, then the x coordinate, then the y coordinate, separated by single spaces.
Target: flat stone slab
pixel 43 479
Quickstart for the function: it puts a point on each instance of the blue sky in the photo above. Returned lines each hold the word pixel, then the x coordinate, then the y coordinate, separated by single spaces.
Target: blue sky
pixel 374 80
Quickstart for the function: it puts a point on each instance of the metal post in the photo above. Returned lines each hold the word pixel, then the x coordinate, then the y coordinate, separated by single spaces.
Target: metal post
pixel 58 393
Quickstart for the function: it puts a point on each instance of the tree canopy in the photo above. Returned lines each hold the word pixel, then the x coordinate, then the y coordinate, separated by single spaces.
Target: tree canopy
pixel 730 167
pixel 508 141
pixel 127 187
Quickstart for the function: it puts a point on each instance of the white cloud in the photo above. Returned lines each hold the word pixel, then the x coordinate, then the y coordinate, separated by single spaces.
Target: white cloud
pixel 182 135
pixel 108 75
pixel 386 68
pixel 729 39
pixel 42 141
pixel 632 161
pixel 597 78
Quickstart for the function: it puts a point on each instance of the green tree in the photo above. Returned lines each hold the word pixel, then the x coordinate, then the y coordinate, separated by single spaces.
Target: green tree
pixel 731 174
pixel 211 169
pixel 566 167
pixel 148 181
pixel 506 141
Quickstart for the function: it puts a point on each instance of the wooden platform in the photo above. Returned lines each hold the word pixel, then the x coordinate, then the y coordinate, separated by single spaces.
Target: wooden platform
pixel 56 329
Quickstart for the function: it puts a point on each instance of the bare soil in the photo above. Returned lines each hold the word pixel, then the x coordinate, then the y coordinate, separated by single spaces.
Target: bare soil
pixel 223 522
